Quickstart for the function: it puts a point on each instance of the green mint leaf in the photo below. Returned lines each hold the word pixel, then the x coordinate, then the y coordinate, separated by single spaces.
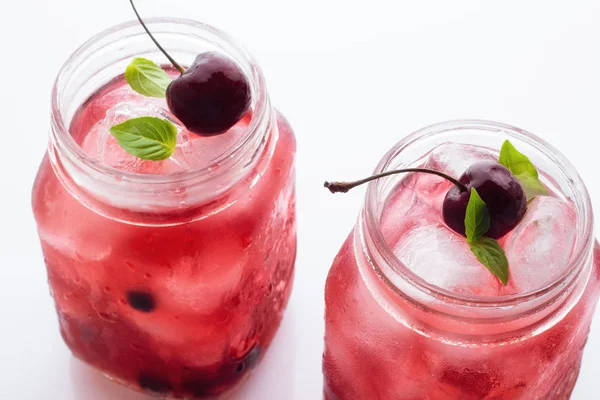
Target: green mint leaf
pixel 492 256
pixel 487 250
pixel 522 168
pixel 532 187
pixel 477 217
pixel 148 138
pixel 147 78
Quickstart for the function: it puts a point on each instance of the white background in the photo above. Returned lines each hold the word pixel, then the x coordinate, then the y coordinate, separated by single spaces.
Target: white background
pixel 353 77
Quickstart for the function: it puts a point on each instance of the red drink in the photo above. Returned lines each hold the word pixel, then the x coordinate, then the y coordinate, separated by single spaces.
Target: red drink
pixel 410 312
pixel 170 276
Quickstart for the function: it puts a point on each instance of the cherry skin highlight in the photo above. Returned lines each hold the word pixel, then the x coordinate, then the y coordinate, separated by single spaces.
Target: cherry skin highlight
pixel 498 188
pixel 211 96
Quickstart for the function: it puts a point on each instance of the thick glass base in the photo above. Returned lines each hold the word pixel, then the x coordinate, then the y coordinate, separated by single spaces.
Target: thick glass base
pixel 225 396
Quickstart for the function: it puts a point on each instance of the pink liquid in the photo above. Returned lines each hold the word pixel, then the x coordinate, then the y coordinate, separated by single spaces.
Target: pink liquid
pixel 380 346
pixel 185 309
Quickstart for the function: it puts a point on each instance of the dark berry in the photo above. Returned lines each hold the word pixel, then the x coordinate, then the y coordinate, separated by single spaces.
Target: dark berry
pixel 211 96
pixel 498 188
pixel 211 383
pixel 153 383
pixel 141 301
pixel 250 360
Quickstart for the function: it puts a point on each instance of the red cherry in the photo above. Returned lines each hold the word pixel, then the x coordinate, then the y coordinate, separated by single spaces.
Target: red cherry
pixel 211 96
pixel 498 188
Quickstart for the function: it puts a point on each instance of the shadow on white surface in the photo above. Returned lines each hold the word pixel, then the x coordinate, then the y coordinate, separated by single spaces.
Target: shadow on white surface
pixel 89 384
pixel 273 378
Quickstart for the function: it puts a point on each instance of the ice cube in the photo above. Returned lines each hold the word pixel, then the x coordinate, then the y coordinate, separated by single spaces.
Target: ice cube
pixel 81 247
pixel 431 189
pixel 539 248
pixel 192 151
pixel 204 282
pixel 104 148
pixel 196 151
pixel 403 201
pixel 443 258
pixel 199 344
pixel 455 158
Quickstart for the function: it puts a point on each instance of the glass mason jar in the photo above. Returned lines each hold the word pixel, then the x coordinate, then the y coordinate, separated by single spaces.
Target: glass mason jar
pixel 173 284
pixel 391 334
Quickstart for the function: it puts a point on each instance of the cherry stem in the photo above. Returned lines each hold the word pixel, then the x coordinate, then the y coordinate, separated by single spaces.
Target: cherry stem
pixel 175 64
pixel 344 187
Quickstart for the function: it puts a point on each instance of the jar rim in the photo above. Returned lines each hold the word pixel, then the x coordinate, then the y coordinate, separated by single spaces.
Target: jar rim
pixel 570 271
pixel 66 140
